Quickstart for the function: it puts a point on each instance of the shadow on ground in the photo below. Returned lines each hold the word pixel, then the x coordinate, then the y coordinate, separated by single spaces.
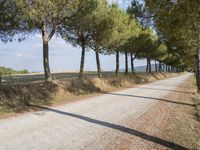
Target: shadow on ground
pixel 124 129
pixel 153 98
pixel 160 89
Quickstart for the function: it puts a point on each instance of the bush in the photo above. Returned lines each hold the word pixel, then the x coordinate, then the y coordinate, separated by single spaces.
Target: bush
pixel 9 71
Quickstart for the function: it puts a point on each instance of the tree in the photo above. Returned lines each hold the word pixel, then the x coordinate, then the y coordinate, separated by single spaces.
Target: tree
pixel 131 47
pixel 138 10
pixel 100 30
pixel 123 28
pixel 161 55
pixel 77 31
pixel 179 23
pixel 45 17
pixel 145 46
pixel 8 20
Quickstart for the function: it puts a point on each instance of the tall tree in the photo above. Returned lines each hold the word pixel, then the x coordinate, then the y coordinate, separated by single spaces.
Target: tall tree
pixel 9 23
pixel 124 27
pixel 8 20
pixel 45 17
pixel 100 30
pixel 138 10
pixel 77 31
pixel 179 22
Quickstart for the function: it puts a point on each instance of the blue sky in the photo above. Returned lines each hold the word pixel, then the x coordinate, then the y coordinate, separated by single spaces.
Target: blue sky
pixel 63 57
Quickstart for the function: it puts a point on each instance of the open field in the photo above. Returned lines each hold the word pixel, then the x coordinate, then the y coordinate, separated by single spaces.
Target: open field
pixel 38 77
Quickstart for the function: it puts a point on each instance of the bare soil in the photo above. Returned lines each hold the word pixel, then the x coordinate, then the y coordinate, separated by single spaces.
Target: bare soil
pixel 175 122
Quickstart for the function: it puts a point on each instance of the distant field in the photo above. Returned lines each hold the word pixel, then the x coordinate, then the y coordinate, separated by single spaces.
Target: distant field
pixel 40 77
pixel 59 76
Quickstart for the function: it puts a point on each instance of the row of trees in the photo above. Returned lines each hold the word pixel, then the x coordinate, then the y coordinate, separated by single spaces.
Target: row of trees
pixel 93 25
pixel 178 25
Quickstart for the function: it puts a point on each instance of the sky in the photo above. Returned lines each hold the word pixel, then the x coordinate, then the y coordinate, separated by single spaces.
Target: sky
pixel 63 56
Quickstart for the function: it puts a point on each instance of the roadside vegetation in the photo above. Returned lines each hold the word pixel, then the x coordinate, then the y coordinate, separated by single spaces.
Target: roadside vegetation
pixel 9 71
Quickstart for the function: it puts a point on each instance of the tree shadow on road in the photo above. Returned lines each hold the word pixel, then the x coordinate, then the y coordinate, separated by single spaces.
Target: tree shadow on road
pixel 153 98
pixel 156 89
pixel 173 84
pixel 121 128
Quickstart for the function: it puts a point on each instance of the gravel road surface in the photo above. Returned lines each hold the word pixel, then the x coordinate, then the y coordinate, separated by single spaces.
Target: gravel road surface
pixel 97 123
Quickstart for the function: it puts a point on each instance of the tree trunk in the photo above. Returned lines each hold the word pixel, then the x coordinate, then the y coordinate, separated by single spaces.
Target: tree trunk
pixel 197 58
pixel 163 67
pixel 166 67
pixel 117 63
pixel 82 61
pixel 147 69
pixel 160 67
pixel 98 64
pixel 132 64
pixel 156 67
pixel 149 61
pixel 0 78
pixel 126 63
pixel 47 71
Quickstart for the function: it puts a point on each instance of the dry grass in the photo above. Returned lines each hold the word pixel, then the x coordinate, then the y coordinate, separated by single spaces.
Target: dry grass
pixel 17 98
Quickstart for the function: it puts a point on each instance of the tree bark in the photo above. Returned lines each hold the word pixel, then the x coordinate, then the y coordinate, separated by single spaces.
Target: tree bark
pixel 156 67
pixel 132 64
pixel 0 78
pixel 126 63
pixel 166 67
pixel 197 60
pixel 98 64
pixel 149 65
pixel 82 60
pixel 117 63
pixel 163 67
pixel 160 67
pixel 148 70
pixel 47 71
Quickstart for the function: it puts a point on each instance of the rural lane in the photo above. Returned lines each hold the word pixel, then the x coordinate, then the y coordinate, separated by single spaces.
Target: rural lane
pixel 96 123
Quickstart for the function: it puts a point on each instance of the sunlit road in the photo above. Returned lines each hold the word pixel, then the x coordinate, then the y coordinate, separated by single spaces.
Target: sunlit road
pixel 95 123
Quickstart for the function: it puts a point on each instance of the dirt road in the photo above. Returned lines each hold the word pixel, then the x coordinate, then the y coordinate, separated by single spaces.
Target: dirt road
pixel 105 122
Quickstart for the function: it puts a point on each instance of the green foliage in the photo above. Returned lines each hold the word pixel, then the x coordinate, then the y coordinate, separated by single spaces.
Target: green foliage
pixel 100 26
pixel 143 45
pixel 178 22
pixel 124 27
pixel 8 20
pixel 106 29
pixel 47 15
pixel 76 30
pixel 9 71
pixel 138 10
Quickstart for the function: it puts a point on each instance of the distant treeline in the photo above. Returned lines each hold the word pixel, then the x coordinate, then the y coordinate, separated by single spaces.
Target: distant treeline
pixel 9 71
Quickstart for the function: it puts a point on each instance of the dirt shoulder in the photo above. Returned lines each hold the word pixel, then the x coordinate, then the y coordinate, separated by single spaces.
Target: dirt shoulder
pixel 172 123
